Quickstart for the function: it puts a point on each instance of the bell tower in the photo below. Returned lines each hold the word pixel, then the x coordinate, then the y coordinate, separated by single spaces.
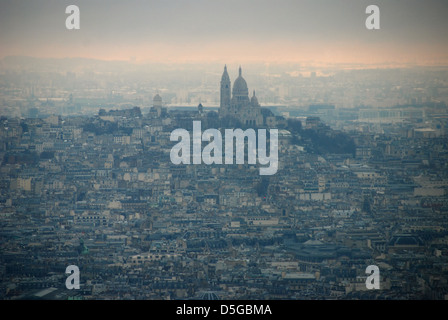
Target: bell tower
pixel 224 104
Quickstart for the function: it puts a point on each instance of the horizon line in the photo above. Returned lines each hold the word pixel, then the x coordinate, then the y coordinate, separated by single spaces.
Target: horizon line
pixel 310 63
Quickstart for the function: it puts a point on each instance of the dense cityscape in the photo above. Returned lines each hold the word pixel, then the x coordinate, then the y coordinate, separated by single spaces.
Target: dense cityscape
pixel 88 181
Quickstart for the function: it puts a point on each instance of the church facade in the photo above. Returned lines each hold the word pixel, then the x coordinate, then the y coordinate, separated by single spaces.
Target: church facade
pixel 235 103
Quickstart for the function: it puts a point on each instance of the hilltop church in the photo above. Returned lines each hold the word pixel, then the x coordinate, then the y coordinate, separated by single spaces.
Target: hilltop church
pixel 238 105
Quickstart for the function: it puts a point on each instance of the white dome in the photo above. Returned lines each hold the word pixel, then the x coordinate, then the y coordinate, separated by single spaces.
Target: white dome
pixel 240 86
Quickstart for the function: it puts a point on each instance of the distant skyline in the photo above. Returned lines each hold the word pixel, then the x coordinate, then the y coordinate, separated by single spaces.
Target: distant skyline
pixel 231 31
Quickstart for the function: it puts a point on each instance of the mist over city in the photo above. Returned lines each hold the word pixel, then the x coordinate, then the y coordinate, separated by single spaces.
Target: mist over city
pixel 136 138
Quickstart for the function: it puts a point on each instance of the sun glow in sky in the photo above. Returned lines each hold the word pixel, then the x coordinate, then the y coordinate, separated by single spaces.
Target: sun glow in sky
pixel 304 31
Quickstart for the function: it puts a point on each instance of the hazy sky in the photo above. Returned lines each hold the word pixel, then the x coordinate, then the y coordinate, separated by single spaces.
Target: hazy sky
pixel 322 31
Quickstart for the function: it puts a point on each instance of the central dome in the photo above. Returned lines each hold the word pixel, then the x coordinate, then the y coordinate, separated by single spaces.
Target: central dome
pixel 240 86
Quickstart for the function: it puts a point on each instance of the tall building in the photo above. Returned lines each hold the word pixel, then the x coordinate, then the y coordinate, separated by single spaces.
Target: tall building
pixel 157 105
pixel 238 105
